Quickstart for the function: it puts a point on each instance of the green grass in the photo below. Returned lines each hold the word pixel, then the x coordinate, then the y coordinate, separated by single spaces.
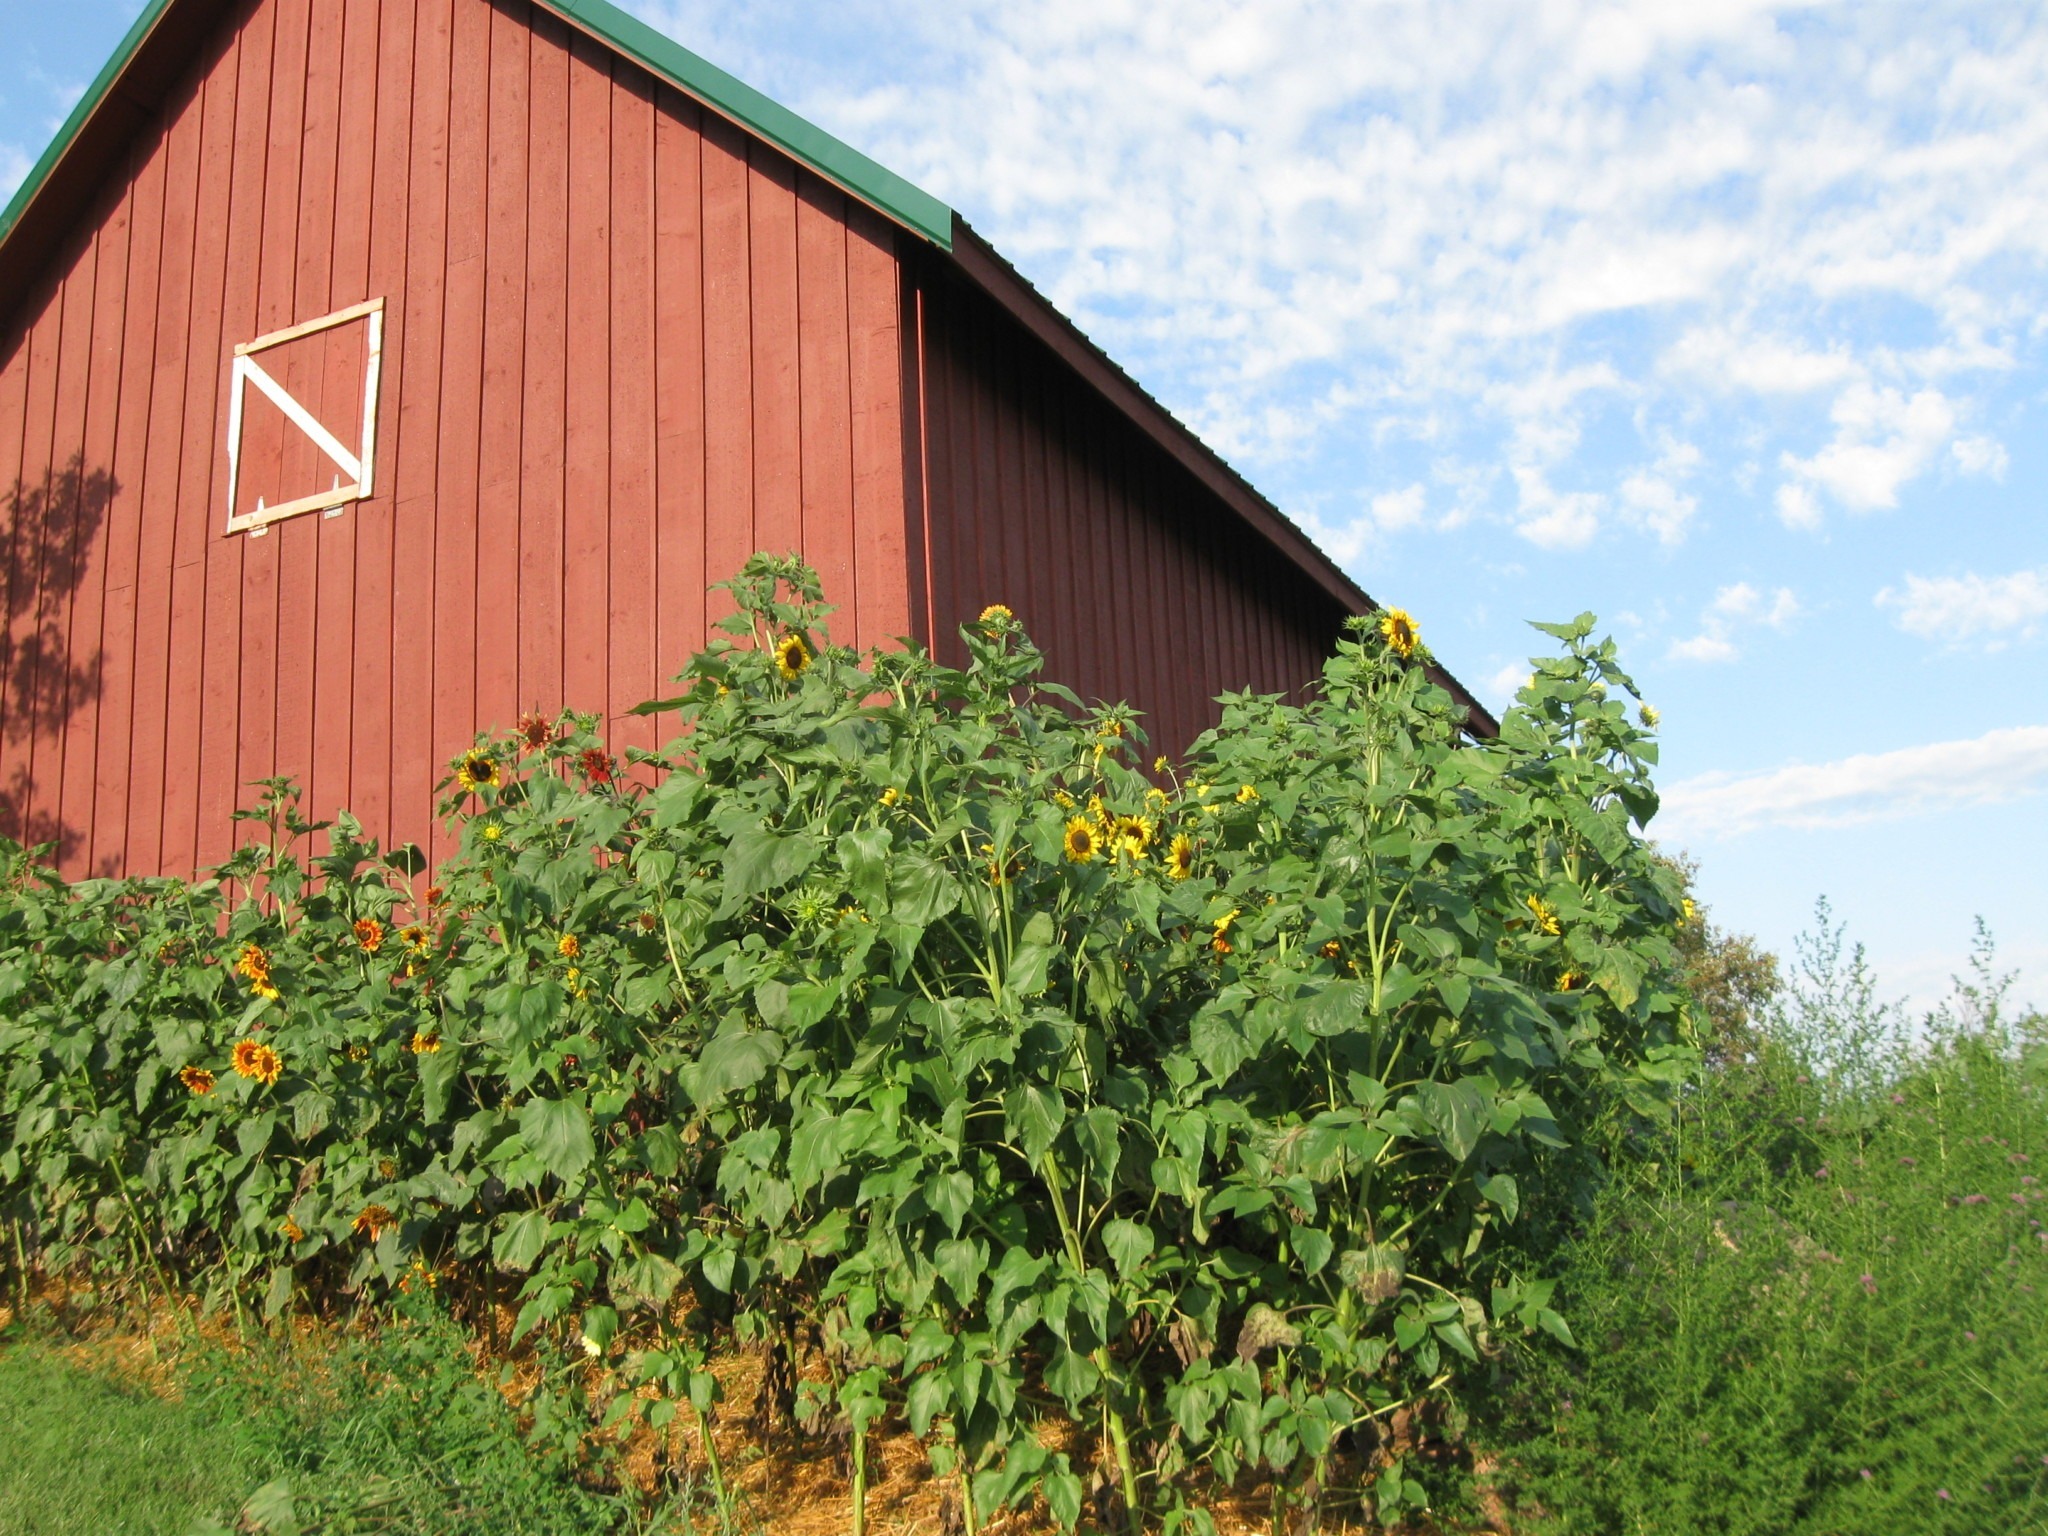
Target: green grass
pixel 87 1454
pixel 393 1434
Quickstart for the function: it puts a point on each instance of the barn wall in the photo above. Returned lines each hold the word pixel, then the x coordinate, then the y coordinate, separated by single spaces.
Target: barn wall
pixel 625 346
pixel 1136 580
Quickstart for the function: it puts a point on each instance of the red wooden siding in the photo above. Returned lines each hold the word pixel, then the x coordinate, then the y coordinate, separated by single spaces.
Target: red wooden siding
pixel 625 345
pixel 1138 583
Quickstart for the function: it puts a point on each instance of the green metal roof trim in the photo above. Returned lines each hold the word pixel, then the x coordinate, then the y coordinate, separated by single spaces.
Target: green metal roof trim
pixel 730 97
pixel 87 105
pixel 733 98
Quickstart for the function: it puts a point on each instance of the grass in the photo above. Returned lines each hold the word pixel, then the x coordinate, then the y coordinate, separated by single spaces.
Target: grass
pixel 89 1455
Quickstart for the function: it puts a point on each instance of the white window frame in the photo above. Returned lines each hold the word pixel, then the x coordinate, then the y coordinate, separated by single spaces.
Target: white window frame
pixel 359 465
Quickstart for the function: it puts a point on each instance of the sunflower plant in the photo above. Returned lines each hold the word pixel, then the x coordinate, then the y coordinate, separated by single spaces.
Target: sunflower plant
pixel 893 1020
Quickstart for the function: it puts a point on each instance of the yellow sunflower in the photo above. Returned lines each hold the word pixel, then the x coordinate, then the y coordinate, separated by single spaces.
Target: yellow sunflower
pixel 994 614
pixel 1180 857
pixel 477 770
pixel 254 963
pixel 568 946
pixel 1400 633
pixel 891 795
pixel 415 937
pixel 253 1059
pixel 1221 941
pixel 425 1044
pixel 1570 981
pixel 369 935
pixel 1246 794
pixel 791 657
pixel 1649 715
pixel 292 1231
pixel 1083 840
pixel 1545 915
pixel 1131 836
pixel 371 1221
pixel 198 1079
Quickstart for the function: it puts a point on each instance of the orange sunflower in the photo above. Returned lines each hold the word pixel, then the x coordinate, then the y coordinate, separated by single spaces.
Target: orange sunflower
pixel 369 935
pixel 198 1079
pixel 254 1059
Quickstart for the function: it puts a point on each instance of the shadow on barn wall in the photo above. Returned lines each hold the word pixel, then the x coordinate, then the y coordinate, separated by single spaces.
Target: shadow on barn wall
pixel 50 531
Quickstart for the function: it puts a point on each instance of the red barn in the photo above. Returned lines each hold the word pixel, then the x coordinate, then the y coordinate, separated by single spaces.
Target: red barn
pixel 372 371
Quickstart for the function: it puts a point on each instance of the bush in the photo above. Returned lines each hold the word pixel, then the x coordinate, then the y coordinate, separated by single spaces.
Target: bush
pixel 895 1009
pixel 1821 1305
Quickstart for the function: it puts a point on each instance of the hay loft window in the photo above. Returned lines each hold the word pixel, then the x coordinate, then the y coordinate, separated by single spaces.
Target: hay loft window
pixel 302 418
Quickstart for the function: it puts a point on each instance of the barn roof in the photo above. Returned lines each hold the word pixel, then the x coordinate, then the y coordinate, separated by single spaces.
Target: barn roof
pixel 134 83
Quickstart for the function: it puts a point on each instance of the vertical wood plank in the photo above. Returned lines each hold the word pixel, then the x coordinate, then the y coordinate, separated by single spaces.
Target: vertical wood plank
pixel 455 647
pixel 587 471
pixel 413 759
pixel 373 641
pixel 499 510
pixel 825 402
pixel 632 543
pixel 678 385
pixel 544 419
pixel 729 529
pixel 226 643
pixel 881 549
pixel 201 451
pixel 778 425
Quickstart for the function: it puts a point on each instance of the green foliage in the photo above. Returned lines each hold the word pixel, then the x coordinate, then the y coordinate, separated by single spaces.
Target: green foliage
pixel 894 1006
pixel 1818 1304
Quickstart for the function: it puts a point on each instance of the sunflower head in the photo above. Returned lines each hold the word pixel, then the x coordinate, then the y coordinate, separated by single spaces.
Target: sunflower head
pixel 1648 714
pixel 1220 936
pixel 257 1061
pixel 477 770
pixel 371 1221
pixel 1545 915
pixel 254 963
pixel 595 764
pixel 1332 950
pixel 1246 794
pixel 369 935
pixel 198 1079
pixel 414 937
pixel 1131 836
pixel 791 657
pixel 994 616
pixel 1180 856
pixel 292 1231
pixel 535 731
pixel 425 1043
pixel 1687 913
pixel 1399 631
pixel 568 946
pixel 1083 840
pixel 1570 981
pixel 891 795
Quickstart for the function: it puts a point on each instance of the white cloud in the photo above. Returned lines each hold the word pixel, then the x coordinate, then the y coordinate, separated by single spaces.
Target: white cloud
pixel 1883 439
pixel 1304 222
pixel 1398 510
pixel 1980 456
pixel 1734 611
pixel 1508 681
pixel 1956 609
pixel 1990 769
pixel 1651 496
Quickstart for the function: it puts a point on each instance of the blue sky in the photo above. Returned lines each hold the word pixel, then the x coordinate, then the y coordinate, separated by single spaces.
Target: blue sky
pixel 1724 321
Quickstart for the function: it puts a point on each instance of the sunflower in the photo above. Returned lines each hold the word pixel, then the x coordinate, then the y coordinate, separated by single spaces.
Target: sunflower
pixel 415 938
pixel 568 946
pixel 596 765
pixel 1570 981
pixel 1400 633
pixel 1246 794
pixel 1063 800
pixel 293 1232
pixel 1083 840
pixel 424 1043
pixel 1332 950
pixel 1221 942
pixel 198 1079
pixel 1648 714
pixel 1545 915
pixel 995 614
pixel 1687 913
pixel 791 657
pixel 371 1221
pixel 477 770
pixel 1159 763
pixel 535 731
pixel 1180 856
pixel 1131 835
pixel 369 935
pixel 891 795
pixel 358 1053
pixel 491 831
pixel 254 963
pixel 253 1059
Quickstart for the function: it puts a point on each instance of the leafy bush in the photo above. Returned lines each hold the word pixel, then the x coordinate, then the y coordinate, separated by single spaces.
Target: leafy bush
pixel 895 1008
pixel 1821 1305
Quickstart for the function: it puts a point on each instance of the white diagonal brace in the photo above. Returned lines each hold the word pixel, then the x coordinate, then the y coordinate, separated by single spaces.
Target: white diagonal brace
pixel 302 418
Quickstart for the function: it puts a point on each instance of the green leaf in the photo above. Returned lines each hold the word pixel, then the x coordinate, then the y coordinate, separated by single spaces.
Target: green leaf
pixel 1128 1245
pixel 758 861
pixel 1312 1246
pixel 1033 1117
pixel 1556 1327
pixel 1096 1134
pixel 558 1132
pixel 520 1240
pixel 951 1196
pixel 1501 1190
pixel 1457 1113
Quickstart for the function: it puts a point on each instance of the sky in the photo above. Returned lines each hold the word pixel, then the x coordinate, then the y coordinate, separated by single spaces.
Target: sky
pixel 1726 322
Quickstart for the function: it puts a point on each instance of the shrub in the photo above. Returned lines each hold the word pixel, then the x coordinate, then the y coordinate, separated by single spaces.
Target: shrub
pixel 895 1007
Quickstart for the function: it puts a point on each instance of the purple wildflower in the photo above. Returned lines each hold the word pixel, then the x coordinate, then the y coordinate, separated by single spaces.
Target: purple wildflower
pixel 1869 1284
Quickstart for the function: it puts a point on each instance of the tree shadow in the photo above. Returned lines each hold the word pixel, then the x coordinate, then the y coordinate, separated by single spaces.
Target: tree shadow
pixel 50 530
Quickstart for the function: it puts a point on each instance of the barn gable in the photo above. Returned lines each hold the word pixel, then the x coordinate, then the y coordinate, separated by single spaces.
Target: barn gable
pixel 636 322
